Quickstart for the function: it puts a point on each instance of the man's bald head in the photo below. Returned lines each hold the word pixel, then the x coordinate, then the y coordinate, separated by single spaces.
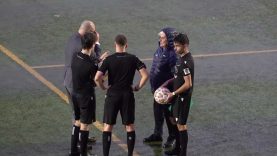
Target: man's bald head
pixel 86 26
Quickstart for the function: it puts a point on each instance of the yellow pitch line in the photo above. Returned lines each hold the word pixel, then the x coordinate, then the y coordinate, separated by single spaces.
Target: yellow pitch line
pixel 48 66
pixel 52 87
pixel 195 56
pixel 33 72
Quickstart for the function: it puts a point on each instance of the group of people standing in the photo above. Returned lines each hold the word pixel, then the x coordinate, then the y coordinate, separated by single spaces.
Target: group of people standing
pixel 86 68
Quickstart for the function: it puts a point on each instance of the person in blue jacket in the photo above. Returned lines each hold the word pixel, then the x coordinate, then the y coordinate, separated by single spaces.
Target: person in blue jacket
pixel 164 60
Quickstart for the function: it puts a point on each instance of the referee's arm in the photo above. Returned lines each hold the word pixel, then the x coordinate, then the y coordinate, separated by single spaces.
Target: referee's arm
pixel 99 80
pixel 185 86
pixel 144 77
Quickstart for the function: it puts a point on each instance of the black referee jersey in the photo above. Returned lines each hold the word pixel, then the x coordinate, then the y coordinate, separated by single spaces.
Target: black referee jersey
pixel 184 66
pixel 121 68
pixel 83 72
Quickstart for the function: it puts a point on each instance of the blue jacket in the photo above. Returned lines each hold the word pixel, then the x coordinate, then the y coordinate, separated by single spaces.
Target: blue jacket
pixel 164 60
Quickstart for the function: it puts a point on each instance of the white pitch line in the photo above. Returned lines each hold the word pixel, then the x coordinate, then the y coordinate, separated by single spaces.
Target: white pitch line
pixel 195 56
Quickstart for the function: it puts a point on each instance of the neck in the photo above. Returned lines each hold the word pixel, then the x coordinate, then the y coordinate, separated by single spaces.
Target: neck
pixel 185 52
pixel 86 51
pixel 120 49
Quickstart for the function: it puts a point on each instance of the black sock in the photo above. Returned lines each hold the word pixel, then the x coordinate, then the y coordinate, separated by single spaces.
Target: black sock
pixel 74 139
pixel 131 138
pixel 184 142
pixel 83 142
pixel 106 142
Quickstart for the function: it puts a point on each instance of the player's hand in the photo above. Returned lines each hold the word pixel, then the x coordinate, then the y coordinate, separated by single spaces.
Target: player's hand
pixel 169 98
pixel 98 36
pixel 106 88
pixel 104 55
pixel 135 88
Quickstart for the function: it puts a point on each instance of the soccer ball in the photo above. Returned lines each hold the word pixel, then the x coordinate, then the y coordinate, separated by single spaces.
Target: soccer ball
pixel 161 95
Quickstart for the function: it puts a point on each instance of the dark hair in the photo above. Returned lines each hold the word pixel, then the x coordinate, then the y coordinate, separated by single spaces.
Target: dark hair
pixel 182 39
pixel 121 40
pixel 88 40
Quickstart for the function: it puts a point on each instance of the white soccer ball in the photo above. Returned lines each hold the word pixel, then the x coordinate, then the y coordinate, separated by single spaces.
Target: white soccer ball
pixel 161 95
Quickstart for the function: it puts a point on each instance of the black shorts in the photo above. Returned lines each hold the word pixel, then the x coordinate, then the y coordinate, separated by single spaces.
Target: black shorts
pixel 84 108
pixel 119 101
pixel 180 109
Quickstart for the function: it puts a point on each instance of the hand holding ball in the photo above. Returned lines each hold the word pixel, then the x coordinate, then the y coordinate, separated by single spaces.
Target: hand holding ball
pixel 161 95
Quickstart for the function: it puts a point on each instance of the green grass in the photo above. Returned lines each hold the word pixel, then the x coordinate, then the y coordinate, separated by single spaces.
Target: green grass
pixel 33 118
pixel 235 115
pixel 228 102
pixel 37 116
pixel 247 25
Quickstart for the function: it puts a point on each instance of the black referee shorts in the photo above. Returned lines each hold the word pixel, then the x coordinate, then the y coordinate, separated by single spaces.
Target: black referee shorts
pixel 119 101
pixel 180 109
pixel 84 108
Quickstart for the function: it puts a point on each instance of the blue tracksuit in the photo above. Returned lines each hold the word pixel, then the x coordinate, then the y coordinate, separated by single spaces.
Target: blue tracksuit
pixel 164 60
pixel 162 69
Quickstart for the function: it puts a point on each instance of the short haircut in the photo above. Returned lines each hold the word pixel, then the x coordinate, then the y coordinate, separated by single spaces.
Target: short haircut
pixel 88 40
pixel 87 26
pixel 181 38
pixel 121 40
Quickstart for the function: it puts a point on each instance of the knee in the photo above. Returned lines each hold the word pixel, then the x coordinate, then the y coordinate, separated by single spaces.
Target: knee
pixel 107 128
pixel 130 128
pixel 84 127
pixel 182 127
pixel 77 123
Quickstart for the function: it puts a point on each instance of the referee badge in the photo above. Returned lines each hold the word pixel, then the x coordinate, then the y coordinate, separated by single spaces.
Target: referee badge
pixel 186 71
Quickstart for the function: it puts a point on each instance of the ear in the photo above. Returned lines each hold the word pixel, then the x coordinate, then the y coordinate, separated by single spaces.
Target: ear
pixel 126 46
pixel 92 49
pixel 186 45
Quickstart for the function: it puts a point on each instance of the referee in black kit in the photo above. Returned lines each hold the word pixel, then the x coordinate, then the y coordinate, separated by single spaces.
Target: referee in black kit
pixel 74 46
pixel 121 67
pixel 83 72
pixel 183 87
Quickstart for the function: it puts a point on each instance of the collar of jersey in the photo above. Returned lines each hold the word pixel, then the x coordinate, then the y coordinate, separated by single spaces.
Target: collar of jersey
pixel 83 56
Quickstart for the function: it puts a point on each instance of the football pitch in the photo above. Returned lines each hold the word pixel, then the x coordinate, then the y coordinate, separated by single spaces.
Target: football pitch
pixel 235 94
